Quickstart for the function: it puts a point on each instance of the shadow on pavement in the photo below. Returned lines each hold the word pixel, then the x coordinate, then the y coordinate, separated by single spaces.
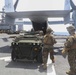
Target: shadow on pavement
pixel 26 65
pixel 5 49
pixel 5 39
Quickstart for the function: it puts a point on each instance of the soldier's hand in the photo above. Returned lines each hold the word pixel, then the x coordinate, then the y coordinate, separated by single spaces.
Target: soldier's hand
pixel 63 51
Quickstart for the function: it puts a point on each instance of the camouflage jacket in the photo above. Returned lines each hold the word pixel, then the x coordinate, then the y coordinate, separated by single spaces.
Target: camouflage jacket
pixel 70 43
pixel 49 40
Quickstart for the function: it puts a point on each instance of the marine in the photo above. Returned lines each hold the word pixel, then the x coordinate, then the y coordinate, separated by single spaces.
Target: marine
pixel 70 49
pixel 48 42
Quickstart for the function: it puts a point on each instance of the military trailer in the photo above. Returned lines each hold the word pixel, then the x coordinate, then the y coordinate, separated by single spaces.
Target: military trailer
pixel 27 46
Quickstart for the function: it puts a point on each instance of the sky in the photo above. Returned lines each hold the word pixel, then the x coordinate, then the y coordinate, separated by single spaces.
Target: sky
pixel 41 4
pixel 37 4
pixel 27 5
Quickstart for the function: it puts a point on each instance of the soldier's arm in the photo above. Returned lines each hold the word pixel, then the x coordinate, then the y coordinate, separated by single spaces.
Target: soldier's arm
pixel 67 44
pixel 54 40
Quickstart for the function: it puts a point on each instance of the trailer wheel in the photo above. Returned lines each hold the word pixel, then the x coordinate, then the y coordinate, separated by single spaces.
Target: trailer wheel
pixel 39 57
pixel 13 56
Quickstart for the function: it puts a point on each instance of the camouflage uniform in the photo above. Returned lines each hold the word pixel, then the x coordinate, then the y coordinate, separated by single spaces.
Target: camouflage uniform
pixel 70 48
pixel 48 42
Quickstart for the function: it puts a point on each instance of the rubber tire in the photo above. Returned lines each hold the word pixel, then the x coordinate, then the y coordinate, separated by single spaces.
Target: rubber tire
pixel 13 56
pixel 39 57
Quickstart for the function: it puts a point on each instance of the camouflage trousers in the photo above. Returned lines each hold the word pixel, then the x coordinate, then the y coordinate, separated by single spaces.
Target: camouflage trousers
pixel 45 53
pixel 72 60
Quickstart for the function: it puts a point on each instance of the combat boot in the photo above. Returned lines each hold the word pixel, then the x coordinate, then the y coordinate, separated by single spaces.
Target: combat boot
pixel 53 61
pixel 44 66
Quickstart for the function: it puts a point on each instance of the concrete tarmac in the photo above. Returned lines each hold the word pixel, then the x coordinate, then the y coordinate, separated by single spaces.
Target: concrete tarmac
pixel 7 66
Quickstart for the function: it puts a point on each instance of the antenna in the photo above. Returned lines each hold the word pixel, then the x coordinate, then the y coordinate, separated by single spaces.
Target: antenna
pixel 15 5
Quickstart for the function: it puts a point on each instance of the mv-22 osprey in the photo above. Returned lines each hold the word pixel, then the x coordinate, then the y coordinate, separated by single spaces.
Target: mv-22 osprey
pixel 39 18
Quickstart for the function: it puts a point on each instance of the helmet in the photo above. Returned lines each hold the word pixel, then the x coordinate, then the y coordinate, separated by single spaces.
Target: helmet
pixel 49 30
pixel 41 32
pixel 71 28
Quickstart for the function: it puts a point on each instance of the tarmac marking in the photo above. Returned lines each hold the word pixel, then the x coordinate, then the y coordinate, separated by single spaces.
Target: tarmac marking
pixel 50 68
pixel 6 58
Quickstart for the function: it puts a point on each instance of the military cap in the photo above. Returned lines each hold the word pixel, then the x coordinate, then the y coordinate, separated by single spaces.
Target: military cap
pixel 49 30
pixel 71 28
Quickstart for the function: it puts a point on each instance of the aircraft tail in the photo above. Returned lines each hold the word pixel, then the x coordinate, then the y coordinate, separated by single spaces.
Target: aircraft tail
pixel 67 7
pixel 9 6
